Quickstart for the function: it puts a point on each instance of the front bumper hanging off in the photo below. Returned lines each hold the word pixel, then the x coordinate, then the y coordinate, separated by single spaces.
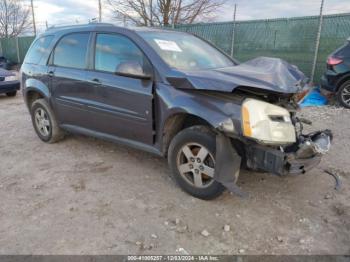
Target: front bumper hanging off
pixel 296 159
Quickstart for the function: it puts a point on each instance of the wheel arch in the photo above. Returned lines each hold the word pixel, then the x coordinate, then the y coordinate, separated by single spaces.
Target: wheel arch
pixel 177 122
pixel 342 80
pixel 34 90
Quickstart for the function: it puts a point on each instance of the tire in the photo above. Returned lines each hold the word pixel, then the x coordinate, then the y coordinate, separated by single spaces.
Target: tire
pixel 343 94
pixel 44 122
pixel 197 139
pixel 11 94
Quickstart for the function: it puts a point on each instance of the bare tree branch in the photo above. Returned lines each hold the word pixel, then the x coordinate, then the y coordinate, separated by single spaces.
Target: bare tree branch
pixel 165 12
pixel 14 18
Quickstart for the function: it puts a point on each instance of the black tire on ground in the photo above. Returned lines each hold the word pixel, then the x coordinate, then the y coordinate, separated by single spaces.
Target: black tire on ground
pixel 55 133
pixel 345 87
pixel 10 94
pixel 200 135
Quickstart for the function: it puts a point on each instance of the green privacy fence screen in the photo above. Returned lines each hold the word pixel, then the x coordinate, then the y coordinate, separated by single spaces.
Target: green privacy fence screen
pixel 292 39
pixel 15 49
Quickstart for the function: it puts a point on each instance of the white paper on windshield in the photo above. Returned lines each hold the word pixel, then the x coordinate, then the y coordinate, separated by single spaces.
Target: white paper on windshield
pixel 168 45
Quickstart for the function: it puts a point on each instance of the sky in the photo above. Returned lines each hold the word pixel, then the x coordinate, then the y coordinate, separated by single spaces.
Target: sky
pixel 62 12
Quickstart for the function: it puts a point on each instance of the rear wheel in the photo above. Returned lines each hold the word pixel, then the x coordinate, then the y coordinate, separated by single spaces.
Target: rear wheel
pixel 11 94
pixel 191 157
pixel 44 122
pixel 343 94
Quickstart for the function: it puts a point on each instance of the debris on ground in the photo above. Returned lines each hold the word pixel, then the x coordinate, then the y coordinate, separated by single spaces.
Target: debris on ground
pixel 280 239
pixel 205 233
pixel 327 196
pixel 336 177
pixel 182 251
pixel 314 98
pixel 227 228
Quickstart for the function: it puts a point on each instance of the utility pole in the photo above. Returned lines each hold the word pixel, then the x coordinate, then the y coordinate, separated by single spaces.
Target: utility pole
pixel 99 11
pixel 233 30
pixel 151 12
pixel 34 26
pixel 317 42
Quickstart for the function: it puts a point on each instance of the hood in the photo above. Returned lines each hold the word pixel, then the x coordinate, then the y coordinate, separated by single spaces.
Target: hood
pixel 270 74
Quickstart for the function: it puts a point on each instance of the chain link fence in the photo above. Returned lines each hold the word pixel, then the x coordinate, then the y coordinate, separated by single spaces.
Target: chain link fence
pixel 292 39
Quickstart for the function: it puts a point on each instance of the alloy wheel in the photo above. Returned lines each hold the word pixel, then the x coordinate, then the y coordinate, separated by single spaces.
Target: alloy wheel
pixel 345 95
pixel 196 165
pixel 42 122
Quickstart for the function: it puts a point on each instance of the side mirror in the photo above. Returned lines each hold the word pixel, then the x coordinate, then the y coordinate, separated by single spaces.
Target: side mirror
pixel 132 69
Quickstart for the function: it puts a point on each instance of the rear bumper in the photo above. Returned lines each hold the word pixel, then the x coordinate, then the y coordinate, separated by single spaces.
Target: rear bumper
pixel 327 86
pixel 11 86
pixel 299 159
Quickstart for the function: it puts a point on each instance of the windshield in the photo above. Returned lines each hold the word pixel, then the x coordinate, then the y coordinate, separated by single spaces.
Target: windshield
pixel 185 51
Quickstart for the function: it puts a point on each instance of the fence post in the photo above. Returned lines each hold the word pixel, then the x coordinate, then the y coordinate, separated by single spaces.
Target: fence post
pixel 314 64
pixel 17 51
pixel 233 30
pixel 1 47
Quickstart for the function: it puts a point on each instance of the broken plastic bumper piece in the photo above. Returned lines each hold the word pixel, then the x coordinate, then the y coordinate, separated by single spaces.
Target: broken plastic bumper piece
pixel 296 159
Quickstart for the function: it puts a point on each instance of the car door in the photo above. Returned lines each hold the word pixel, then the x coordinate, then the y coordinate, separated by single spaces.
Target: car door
pixel 122 105
pixel 70 94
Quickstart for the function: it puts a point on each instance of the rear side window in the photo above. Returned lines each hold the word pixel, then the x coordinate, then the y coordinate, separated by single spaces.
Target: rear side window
pixel 39 50
pixel 71 51
pixel 112 50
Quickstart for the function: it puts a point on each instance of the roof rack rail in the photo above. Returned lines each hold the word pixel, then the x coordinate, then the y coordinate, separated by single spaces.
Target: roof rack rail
pixel 79 25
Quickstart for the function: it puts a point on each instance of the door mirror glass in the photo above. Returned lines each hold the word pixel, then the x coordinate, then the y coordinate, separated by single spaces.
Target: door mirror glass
pixel 131 69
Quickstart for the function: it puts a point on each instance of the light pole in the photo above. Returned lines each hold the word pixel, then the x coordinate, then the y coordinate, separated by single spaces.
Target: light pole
pixel 233 30
pixel 317 42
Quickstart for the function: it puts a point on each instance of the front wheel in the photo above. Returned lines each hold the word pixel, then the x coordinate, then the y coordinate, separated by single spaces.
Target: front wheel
pixel 343 94
pixel 191 157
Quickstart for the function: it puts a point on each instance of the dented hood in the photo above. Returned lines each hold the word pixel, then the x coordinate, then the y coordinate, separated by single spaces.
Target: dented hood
pixel 262 73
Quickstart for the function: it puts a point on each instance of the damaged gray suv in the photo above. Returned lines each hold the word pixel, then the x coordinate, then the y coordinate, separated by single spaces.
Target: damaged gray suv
pixel 174 95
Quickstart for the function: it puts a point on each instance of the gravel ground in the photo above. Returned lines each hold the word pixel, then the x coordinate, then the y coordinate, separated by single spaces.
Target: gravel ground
pixel 86 196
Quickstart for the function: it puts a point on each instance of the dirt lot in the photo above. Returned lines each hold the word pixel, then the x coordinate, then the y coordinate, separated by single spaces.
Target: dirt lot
pixel 86 196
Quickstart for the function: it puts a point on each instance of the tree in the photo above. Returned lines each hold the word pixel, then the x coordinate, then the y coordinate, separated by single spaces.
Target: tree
pixel 14 18
pixel 164 12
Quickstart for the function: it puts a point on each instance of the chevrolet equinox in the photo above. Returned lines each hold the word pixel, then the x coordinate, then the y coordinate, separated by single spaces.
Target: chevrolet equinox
pixel 175 95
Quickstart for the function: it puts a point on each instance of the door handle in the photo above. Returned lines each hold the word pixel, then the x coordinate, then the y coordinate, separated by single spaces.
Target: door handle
pixel 50 74
pixel 96 81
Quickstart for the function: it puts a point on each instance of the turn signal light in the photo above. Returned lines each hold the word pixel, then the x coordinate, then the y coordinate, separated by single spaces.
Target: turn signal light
pixel 247 130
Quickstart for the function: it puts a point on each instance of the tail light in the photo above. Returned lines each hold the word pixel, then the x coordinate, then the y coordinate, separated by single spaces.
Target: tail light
pixel 334 60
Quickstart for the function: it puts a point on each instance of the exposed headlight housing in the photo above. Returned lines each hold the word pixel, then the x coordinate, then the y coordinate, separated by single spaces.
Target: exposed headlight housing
pixel 11 78
pixel 267 123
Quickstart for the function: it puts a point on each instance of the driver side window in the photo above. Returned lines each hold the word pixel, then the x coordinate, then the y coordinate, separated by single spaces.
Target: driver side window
pixel 113 50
